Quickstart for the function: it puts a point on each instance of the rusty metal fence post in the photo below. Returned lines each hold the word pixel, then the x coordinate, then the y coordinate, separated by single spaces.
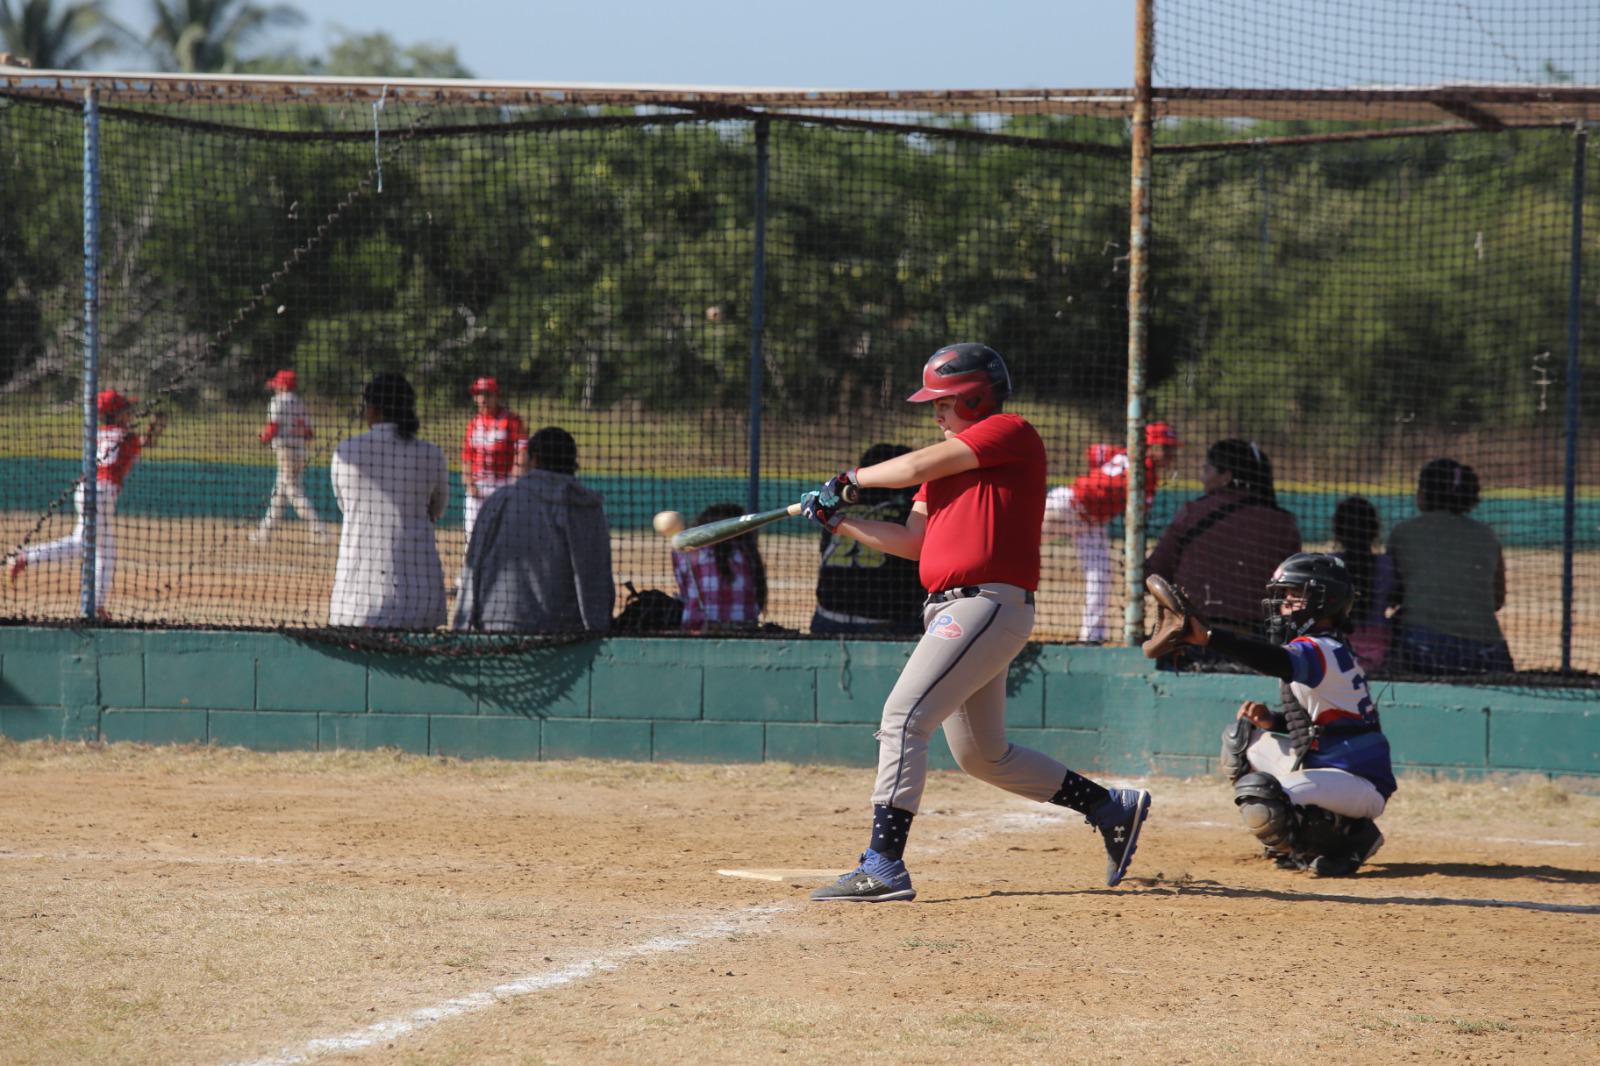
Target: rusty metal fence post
pixel 1138 317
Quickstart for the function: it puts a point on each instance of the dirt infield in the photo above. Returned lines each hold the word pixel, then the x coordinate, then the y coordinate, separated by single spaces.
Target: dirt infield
pixel 204 906
pixel 206 572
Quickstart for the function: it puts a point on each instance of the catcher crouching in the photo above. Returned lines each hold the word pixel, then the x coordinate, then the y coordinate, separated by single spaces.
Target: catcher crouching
pixel 1310 778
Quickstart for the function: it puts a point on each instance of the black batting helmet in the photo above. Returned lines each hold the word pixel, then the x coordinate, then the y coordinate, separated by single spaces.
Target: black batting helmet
pixel 1326 585
pixel 973 373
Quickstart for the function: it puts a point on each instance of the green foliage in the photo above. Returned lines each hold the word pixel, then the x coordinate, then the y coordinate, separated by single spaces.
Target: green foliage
pixel 1349 286
pixel 213 36
pixel 56 37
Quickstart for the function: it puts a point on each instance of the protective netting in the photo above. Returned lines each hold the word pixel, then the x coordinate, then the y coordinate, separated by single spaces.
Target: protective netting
pixel 599 268
pixel 1351 301
pixel 1367 270
pixel 1352 44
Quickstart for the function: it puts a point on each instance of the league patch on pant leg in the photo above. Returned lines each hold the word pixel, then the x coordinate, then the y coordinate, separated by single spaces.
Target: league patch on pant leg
pixel 945 626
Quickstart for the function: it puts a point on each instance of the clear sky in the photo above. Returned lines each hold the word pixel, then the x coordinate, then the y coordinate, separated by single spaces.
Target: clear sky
pixel 828 44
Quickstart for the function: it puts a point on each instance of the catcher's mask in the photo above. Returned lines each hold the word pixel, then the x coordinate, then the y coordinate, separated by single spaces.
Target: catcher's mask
pixel 973 373
pixel 1328 592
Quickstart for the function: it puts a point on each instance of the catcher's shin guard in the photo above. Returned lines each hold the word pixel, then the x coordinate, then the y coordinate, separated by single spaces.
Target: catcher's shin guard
pixel 1235 739
pixel 1266 810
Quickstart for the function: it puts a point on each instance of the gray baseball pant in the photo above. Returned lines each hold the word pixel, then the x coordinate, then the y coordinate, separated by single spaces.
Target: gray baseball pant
pixel 956 677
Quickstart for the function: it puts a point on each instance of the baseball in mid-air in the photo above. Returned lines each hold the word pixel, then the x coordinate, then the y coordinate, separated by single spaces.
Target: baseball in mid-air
pixel 667 522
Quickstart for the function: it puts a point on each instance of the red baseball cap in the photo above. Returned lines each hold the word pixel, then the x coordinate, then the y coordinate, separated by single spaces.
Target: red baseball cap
pixel 111 403
pixel 283 379
pixel 1160 433
pixel 484 385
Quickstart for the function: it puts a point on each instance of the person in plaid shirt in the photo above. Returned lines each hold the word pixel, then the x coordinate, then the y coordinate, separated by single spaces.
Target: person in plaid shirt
pixel 723 586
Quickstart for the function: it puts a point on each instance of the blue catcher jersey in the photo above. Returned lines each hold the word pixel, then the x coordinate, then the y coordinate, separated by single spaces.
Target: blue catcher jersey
pixel 1331 686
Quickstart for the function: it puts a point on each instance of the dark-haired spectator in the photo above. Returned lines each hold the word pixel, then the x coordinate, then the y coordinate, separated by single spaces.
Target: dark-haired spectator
pixel 539 560
pixel 723 586
pixel 1222 548
pixel 863 590
pixel 392 488
pixel 1450 580
pixel 1355 531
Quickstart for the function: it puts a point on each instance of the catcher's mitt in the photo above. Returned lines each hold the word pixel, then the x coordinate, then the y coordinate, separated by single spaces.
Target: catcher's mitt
pixel 1175 618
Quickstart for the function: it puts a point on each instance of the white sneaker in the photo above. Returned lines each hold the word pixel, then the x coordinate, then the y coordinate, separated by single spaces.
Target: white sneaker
pixel 259 536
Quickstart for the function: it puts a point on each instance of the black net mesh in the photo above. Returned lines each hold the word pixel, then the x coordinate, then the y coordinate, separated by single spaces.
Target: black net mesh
pixel 1377 290
pixel 600 269
pixel 1342 295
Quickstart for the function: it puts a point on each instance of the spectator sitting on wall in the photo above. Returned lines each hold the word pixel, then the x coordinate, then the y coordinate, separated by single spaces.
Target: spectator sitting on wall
pixel 392 488
pixel 862 590
pixel 1450 580
pixel 723 586
pixel 1223 546
pixel 539 560
pixel 1355 530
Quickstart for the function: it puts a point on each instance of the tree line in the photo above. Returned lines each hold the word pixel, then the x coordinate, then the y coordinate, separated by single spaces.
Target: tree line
pixel 604 260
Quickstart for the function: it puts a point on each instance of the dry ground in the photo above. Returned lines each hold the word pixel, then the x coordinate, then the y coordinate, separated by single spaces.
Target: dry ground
pixel 206 906
pixel 205 572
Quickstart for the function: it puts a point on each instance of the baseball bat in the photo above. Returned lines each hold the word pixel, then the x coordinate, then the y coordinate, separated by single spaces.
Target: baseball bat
pixel 728 528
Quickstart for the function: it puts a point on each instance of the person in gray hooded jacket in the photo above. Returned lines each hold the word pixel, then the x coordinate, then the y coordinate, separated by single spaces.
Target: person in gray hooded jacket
pixel 540 556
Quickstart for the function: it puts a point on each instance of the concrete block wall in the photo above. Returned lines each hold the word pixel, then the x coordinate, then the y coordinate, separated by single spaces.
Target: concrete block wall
pixel 1100 710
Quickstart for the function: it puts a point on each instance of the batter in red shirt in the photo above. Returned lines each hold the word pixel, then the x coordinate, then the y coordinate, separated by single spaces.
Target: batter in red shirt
pixel 974 529
pixel 490 449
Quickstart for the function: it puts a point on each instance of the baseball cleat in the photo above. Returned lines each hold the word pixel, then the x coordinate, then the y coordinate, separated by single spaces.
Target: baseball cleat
pixel 876 880
pixel 16 566
pixel 1366 840
pixel 1119 820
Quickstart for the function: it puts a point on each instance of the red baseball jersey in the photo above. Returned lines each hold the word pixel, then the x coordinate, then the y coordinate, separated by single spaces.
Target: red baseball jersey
pixel 983 524
pixel 116 450
pixel 1102 493
pixel 490 445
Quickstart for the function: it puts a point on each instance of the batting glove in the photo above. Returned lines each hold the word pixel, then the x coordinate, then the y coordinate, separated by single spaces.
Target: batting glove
pixel 839 489
pixel 824 514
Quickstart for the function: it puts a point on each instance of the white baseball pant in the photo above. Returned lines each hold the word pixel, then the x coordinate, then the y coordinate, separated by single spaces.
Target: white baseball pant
pixel 1093 547
pixel 486 487
pixel 71 547
pixel 1338 791
pixel 288 491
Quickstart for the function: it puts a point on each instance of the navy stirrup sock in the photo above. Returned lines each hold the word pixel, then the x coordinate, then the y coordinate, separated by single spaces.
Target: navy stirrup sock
pixel 1079 793
pixel 890 827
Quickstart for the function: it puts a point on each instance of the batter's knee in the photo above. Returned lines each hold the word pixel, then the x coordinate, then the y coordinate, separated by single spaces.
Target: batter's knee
pixel 1266 810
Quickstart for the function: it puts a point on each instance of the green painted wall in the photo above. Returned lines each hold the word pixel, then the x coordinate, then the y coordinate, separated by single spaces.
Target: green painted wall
pixel 237 491
pixel 1101 710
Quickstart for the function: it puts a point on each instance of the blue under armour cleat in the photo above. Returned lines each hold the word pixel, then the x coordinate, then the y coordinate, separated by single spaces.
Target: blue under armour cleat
pixel 1119 820
pixel 876 880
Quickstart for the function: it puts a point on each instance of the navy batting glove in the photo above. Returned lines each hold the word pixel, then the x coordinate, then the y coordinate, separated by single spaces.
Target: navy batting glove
pixel 841 488
pixel 824 514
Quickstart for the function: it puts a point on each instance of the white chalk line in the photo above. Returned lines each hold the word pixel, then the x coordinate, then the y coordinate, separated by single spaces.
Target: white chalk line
pixel 744 919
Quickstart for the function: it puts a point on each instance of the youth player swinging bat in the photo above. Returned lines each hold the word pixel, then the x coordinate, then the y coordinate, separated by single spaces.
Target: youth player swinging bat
pixel 728 528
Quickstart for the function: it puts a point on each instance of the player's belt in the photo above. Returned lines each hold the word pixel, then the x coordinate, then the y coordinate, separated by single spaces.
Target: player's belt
pixel 966 592
pixel 849 619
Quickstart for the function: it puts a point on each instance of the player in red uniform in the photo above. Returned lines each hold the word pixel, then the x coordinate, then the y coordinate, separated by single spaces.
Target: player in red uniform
pixel 117 448
pixel 1085 508
pixel 489 450
pixel 974 529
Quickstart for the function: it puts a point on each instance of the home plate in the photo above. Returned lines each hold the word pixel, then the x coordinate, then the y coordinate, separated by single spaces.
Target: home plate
pixel 780 874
